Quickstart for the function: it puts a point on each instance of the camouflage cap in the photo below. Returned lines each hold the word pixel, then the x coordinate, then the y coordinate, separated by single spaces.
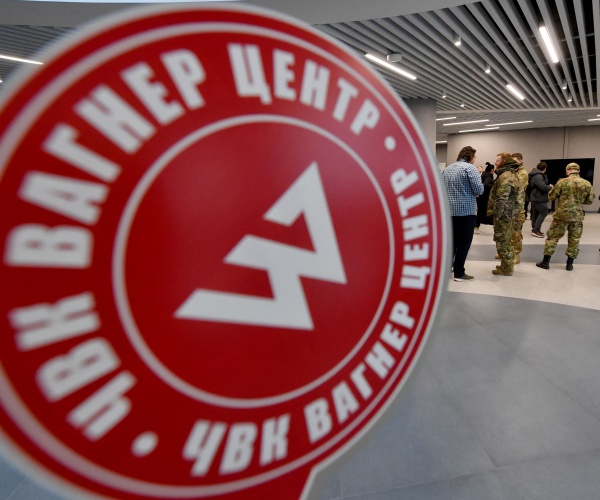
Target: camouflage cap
pixel 573 166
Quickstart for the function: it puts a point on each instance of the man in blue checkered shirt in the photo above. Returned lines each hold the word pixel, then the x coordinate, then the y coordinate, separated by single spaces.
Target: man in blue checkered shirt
pixel 463 185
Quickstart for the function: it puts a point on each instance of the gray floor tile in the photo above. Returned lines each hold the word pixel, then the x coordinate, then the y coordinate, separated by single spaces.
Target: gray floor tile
pixel 586 322
pixel 515 413
pixel 484 309
pixel 451 316
pixel 558 478
pixel 485 485
pixel 30 490
pixel 326 485
pixel 422 439
pixel 566 358
pixel 10 478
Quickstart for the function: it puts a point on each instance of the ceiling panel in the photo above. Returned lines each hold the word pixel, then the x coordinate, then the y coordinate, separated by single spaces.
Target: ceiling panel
pixel 501 34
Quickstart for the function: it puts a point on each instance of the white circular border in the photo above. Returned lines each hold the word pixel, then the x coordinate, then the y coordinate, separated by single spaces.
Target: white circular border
pixel 120 250
pixel 55 448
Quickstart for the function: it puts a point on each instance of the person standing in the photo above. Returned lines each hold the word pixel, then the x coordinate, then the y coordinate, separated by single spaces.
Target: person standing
pixel 487 179
pixel 463 185
pixel 505 205
pixel 540 187
pixel 572 193
pixel 517 234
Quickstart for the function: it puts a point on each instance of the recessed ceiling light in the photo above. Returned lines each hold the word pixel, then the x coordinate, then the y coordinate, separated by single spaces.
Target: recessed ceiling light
pixel 477 130
pixel 464 123
pixel 391 67
pixel 515 92
pixel 18 59
pixel 549 45
pixel 509 123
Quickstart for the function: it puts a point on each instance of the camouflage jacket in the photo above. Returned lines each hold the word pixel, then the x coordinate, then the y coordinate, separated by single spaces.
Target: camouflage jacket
pixel 523 177
pixel 504 203
pixel 571 193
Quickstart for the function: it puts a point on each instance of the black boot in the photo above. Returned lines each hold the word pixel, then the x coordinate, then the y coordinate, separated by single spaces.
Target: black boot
pixel 545 264
pixel 569 263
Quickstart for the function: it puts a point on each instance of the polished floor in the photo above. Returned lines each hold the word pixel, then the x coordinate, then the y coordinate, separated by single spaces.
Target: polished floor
pixel 505 402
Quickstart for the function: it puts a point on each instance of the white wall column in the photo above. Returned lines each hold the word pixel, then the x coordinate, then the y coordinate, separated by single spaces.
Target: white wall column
pixel 424 112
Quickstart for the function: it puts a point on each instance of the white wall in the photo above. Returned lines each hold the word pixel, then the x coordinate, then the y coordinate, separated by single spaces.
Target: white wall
pixel 535 144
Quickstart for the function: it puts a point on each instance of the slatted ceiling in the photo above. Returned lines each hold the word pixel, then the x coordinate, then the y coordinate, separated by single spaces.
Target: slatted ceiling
pixel 596 16
pixel 25 42
pixel 581 28
pixel 501 33
pixel 505 35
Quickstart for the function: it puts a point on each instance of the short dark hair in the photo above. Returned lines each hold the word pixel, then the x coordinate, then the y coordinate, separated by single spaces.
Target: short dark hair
pixel 467 153
pixel 541 166
pixel 489 167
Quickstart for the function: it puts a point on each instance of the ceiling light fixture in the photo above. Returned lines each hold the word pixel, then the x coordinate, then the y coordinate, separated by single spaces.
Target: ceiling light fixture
pixel 594 120
pixel 488 69
pixel 509 123
pixel 569 97
pixel 549 44
pixel 462 104
pixel 393 58
pixel 18 59
pixel 387 65
pixel 441 142
pixel 477 130
pixel 564 85
pixel 515 92
pixel 449 118
pixel 444 95
pixel 457 40
pixel 464 123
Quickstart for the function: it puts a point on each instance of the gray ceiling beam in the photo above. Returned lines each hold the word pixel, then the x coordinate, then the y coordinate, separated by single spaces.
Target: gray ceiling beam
pixel 545 80
pixel 487 33
pixel 549 23
pixel 534 23
pixel 584 48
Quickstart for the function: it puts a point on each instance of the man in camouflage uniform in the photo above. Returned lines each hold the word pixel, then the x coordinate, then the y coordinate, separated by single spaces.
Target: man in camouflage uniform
pixel 572 193
pixel 504 205
pixel 517 234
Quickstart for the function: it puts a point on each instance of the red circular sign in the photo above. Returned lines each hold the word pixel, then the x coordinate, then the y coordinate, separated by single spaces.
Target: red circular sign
pixel 223 244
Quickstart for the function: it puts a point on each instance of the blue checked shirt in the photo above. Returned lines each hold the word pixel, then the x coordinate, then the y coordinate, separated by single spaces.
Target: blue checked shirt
pixel 463 185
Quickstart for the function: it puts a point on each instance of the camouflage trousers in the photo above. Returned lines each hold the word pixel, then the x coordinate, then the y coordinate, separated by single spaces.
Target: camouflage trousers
pixel 517 232
pixel 557 231
pixel 503 231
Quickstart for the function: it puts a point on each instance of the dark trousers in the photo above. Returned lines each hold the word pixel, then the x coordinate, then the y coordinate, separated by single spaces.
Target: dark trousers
pixel 462 232
pixel 539 210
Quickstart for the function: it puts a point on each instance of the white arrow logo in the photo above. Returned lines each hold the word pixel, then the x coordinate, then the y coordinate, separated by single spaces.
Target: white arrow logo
pixel 284 264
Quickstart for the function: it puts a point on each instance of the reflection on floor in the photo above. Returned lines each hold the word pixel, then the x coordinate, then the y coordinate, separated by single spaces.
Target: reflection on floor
pixel 505 402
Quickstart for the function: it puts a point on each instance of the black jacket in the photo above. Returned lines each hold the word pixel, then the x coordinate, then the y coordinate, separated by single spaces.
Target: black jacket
pixel 539 182
pixel 488 179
